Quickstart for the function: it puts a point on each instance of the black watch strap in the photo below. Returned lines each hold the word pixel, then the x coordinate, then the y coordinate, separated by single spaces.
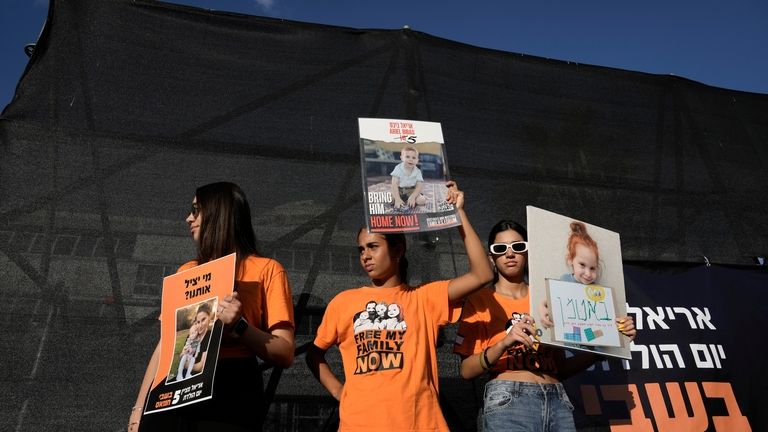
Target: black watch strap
pixel 241 326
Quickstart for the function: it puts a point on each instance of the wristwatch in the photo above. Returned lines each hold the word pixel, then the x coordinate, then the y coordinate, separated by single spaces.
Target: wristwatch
pixel 240 327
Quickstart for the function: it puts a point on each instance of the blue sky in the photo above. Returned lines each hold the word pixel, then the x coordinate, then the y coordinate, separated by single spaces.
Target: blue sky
pixel 719 43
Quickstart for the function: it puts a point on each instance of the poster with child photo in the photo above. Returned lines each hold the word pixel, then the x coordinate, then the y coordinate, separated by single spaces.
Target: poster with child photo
pixel 190 334
pixel 404 171
pixel 577 290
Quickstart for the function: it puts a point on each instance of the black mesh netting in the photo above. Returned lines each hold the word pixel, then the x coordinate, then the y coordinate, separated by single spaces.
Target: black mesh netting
pixel 127 106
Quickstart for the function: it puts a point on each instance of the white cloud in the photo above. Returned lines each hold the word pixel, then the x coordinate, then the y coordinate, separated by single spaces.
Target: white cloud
pixel 266 4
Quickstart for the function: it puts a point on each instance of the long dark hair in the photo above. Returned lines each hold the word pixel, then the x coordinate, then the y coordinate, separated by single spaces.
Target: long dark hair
pixel 205 307
pixel 395 242
pixel 226 225
pixel 501 226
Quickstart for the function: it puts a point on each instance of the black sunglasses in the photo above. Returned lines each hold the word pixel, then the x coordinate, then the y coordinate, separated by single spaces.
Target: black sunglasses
pixel 502 248
pixel 195 210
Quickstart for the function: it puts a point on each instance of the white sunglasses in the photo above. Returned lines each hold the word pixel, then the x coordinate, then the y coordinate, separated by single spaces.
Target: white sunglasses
pixel 502 248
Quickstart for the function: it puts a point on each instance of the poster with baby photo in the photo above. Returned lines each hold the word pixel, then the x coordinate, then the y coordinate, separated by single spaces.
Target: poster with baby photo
pixel 194 325
pixel 576 278
pixel 404 171
pixel 190 334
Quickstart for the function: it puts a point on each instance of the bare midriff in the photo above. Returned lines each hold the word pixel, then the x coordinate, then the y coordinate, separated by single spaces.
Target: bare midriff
pixel 526 376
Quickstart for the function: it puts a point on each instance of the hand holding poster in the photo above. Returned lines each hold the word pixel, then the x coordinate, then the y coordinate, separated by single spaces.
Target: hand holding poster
pixel 577 284
pixel 404 172
pixel 190 334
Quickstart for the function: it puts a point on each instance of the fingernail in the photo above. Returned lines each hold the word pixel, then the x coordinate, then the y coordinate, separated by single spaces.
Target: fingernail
pixel 621 327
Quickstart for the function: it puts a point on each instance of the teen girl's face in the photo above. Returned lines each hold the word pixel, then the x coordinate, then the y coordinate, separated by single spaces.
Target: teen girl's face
pixel 375 256
pixel 584 264
pixel 203 321
pixel 511 265
pixel 194 220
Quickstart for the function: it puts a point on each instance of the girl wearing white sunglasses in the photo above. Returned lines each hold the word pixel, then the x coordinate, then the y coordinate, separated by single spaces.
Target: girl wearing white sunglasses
pixel 497 335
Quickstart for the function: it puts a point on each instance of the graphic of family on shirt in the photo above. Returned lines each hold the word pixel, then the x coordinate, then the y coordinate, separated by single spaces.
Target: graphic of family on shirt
pixel 379 316
pixel 379 337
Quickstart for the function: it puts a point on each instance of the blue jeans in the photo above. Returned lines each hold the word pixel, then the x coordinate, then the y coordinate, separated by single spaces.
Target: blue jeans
pixel 526 407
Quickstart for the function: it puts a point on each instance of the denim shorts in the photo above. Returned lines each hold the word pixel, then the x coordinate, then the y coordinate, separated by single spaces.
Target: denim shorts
pixel 529 407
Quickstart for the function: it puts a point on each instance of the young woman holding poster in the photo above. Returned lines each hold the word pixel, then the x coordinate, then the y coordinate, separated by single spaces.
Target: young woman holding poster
pixel 396 354
pixel 496 335
pixel 257 320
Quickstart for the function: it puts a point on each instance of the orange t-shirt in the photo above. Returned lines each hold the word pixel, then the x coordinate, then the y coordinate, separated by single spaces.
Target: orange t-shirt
pixel 483 323
pixel 265 294
pixel 387 338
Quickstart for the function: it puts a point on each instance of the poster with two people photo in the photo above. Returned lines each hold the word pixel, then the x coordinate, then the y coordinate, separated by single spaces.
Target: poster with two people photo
pixel 190 334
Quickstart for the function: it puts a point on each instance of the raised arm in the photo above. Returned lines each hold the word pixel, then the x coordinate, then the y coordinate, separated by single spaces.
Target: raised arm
pixel 480 272
pixel 319 367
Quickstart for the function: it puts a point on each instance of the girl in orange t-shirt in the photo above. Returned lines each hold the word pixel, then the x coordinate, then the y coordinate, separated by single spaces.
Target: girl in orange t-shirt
pixel 397 354
pixel 258 321
pixel 524 392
